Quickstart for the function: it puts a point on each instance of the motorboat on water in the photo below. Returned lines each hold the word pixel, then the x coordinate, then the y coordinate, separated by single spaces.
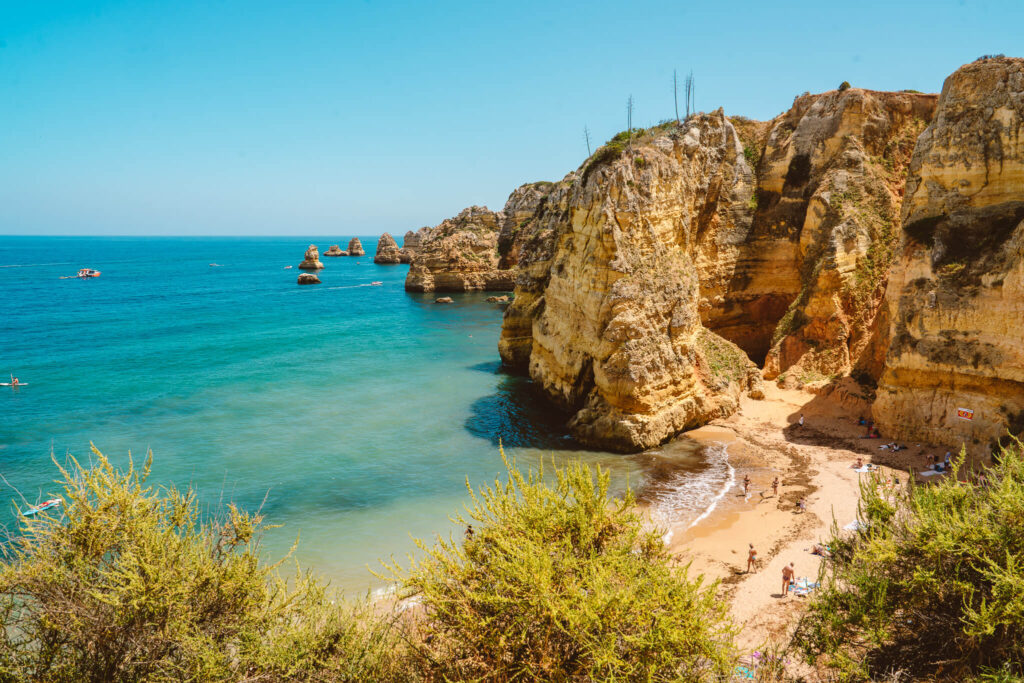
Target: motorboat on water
pixel 45 505
pixel 88 272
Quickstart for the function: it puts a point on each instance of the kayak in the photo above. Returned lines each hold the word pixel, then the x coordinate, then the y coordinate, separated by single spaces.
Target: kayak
pixel 52 503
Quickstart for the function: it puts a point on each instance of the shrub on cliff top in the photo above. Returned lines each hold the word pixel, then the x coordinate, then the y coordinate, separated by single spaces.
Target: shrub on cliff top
pixel 933 586
pixel 129 584
pixel 560 582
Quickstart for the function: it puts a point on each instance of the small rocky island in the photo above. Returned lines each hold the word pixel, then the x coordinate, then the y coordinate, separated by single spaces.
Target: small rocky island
pixel 355 247
pixel 312 259
pixel 308 279
pixel 335 250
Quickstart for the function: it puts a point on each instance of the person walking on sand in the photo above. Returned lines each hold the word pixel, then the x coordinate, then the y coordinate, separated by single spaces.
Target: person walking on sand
pixel 751 559
pixel 746 483
pixel 801 421
pixel 788 572
pixel 775 487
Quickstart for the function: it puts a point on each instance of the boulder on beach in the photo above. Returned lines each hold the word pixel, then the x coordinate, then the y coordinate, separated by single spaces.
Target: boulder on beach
pixel 387 250
pixel 355 247
pixel 444 300
pixel 312 260
pixel 335 250
pixel 308 279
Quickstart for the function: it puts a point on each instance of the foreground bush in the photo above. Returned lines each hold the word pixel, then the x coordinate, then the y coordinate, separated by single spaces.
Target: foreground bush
pixel 562 583
pixel 933 587
pixel 126 583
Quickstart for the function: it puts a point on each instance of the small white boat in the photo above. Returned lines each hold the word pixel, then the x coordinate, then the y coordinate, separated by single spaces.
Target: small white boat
pixel 88 272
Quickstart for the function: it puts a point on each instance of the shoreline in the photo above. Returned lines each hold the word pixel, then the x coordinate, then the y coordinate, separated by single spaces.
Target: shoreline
pixel 813 463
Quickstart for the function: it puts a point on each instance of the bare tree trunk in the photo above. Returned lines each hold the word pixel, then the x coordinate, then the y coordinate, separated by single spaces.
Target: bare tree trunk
pixel 689 94
pixel 586 135
pixel 675 94
pixel 629 122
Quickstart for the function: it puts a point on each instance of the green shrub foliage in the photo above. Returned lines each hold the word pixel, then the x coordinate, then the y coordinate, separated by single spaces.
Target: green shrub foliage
pixel 127 583
pixel 933 586
pixel 560 582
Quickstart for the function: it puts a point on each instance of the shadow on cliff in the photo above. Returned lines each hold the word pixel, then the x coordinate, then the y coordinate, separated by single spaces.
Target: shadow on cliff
pixel 518 415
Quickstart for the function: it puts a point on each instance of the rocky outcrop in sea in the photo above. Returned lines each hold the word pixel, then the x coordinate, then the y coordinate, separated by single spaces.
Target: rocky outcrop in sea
pixel 355 247
pixel 335 250
pixel 387 250
pixel 308 279
pixel 312 259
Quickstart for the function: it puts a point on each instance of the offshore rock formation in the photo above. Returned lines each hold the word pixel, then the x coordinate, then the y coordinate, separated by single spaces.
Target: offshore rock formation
pixel 312 259
pixel 387 250
pixel 956 297
pixel 459 255
pixel 355 247
pixel 308 279
pixel 335 250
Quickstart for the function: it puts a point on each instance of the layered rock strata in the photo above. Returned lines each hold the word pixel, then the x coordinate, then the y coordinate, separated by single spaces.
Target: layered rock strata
pixel 954 371
pixel 355 247
pixel 335 250
pixel 609 288
pixel 387 250
pixel 460 254
pixel 311 261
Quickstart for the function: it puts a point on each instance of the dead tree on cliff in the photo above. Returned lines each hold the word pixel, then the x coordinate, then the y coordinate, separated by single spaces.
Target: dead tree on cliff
pixel 689 93
pixel 586 136
pixel 675 94
pixel 629 122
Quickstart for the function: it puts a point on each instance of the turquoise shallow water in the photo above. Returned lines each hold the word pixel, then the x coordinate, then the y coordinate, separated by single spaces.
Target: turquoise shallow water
pixel 356 411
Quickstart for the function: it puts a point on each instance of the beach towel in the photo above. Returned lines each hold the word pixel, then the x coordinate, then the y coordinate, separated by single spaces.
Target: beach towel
pixel 929 473
pixel 865 469
pixel 855 525
pixel 803 587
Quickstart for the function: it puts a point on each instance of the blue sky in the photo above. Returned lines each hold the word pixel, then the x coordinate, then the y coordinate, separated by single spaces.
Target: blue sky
pixel 242 117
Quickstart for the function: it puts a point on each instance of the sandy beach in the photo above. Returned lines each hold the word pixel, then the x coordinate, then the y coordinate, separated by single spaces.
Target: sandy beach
pixel 814 463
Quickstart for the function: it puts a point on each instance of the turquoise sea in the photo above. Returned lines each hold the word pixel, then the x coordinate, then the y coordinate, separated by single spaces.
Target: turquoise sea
pixel 353 413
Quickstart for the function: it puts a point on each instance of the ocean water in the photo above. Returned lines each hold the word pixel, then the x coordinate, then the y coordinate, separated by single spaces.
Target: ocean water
pixel 352 413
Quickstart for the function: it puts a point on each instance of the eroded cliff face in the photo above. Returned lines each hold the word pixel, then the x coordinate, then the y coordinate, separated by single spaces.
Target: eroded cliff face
pixel 387 250
pixel 807 283
pixel 956 297
pixel 610 287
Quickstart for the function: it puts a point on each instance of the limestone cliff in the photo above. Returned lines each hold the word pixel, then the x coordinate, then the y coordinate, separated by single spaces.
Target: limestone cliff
pixel 805 287
pixel 609 286
pixel 387 250
pixel 355 247
pixel 956 297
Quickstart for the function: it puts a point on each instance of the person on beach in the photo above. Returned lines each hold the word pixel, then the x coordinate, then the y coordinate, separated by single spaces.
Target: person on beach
pixel 469 532
pixel 788 572
pixel 860 464
pixel 945 465
pixel 801 420
pixel 801 506
pixel 746 483
pixel 775 487
pixel 751 559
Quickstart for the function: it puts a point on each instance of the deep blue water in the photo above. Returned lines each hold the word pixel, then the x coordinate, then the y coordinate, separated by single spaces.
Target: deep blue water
pixel 357 411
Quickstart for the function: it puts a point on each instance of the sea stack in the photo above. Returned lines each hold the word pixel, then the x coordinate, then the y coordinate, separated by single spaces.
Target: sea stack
pixel 387 250
pixel 355 247
pixel 312 260
pixel 308 279
pixel 335 250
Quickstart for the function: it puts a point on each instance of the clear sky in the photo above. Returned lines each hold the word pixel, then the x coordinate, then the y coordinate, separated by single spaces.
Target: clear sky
pixel 244 117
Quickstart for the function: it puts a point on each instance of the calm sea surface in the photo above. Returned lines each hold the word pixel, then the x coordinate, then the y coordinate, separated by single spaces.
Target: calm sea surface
pixel 356 411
